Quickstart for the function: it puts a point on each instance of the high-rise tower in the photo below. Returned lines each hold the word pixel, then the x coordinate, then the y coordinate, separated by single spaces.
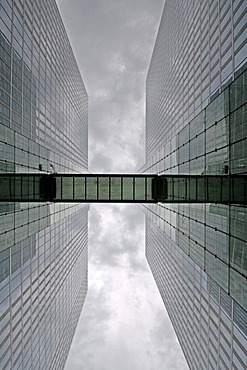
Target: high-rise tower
pixel 196 124
pixel 43 247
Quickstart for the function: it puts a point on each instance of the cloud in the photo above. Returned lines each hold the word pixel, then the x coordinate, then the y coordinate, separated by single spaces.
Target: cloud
pixel 116 235
pixel 123 324
pixel 113 43
pixel 117 63
pixel 91 332
pixel 101 94
pixel 164 338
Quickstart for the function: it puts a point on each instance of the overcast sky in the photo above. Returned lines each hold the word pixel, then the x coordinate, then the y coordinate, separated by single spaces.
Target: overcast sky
pixel 123 324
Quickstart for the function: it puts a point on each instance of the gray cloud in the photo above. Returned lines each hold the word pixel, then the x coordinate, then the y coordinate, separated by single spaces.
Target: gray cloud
pixel 129 329
pixel 115 231
pixel 123 324
pixel 113 41
pixel 163 336
pixel 91 331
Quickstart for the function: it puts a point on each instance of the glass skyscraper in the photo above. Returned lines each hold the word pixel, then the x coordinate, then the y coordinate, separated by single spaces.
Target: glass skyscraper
pixel 196 124
pixel 43 246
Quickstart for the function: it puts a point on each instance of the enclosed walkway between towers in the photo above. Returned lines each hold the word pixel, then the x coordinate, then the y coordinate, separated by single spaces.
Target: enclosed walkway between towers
pixel 123 188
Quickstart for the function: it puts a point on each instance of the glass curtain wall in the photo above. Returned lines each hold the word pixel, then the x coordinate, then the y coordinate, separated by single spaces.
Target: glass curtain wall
pixel 43 129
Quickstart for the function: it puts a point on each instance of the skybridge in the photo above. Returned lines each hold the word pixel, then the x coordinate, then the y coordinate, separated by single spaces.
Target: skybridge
pixel 123 188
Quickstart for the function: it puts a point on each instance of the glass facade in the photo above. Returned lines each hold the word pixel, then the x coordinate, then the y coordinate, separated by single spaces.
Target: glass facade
pixel 43 129
pixel 196 125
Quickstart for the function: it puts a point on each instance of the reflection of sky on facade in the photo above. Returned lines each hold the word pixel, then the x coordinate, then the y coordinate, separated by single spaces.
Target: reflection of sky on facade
pixel 42 255
pixel 199 141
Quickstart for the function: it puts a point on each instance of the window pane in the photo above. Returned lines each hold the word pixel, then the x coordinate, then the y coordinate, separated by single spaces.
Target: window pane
pixel 128 188
pixel 140 188
pixel 103 184
pixel 91 185
pixel 67 187
pixel 79 188
pixel 115 188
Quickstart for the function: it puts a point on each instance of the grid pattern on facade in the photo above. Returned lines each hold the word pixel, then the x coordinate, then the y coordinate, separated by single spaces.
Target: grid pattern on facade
pixel 196 124
pixel 43 276
pixel 203 326
pixel 206 45
pixel 44 107
pixel 46 87
pixel 214 142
